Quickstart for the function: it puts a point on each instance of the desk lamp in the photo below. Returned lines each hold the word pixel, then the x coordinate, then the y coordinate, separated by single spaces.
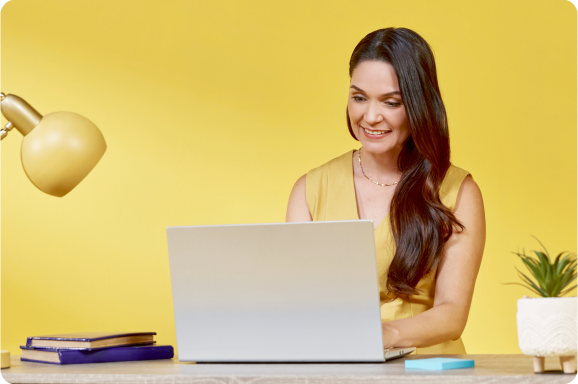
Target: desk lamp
pixel 59 149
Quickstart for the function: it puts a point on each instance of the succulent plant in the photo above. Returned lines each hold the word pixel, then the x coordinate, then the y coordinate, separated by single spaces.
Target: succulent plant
pixel 552 278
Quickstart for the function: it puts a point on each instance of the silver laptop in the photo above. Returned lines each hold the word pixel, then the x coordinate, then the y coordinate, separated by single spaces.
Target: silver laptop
pixel 286 292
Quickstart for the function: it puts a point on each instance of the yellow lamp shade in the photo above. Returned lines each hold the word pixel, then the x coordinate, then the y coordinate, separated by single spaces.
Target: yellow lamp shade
pixel 60 151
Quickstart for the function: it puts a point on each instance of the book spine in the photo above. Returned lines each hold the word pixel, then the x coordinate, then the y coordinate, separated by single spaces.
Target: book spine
pixel 38 361
pixel 115 354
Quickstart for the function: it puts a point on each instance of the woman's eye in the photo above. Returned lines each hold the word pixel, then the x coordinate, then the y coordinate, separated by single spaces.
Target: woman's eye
pixel 392 104
pixel 358 98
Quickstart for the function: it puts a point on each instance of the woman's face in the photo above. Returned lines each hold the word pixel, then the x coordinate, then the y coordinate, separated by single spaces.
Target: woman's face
pixel 376 112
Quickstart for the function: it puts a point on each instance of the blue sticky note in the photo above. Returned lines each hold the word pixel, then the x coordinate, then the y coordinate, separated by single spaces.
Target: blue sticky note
pixel 439 363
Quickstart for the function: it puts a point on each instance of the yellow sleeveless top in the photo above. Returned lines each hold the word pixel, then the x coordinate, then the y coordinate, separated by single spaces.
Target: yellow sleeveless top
pixel 330 194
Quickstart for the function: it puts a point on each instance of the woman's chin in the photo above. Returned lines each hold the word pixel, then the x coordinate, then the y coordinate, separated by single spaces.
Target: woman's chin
pixel 377 148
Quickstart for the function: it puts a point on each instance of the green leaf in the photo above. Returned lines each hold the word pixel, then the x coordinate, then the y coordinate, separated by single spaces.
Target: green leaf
pixel 567 279
pixel 565 262
pixel 544 248
pixel 566 276
pixel 559 264
pixel 549 280
pixel 571 265
pixel 534 269
pixel 557 287
pixel 555 264
pixel 532 284
pixel 567 290
pixel 544 262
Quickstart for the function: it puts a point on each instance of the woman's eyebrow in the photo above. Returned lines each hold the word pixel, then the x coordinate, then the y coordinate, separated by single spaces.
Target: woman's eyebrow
pixel 385 94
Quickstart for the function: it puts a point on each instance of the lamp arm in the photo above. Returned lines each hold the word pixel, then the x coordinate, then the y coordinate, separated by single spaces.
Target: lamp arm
pixel 19 113
pixel 4 131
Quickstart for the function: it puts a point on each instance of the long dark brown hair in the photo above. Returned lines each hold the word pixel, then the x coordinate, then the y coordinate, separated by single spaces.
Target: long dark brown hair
pixel 421 224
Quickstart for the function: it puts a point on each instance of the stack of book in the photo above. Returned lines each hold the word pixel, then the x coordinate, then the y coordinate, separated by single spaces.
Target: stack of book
pixel 94 347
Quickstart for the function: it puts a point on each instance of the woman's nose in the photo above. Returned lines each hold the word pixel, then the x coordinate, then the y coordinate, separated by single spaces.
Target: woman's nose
pixel 372 114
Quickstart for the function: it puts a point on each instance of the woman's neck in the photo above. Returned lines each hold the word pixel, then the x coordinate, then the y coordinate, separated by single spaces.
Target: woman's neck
pixel 381 167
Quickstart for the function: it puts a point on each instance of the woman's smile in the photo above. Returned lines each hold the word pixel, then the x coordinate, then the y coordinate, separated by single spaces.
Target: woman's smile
pixel 375 134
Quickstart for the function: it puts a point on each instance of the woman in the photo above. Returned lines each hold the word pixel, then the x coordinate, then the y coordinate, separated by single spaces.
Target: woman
pixel 428 215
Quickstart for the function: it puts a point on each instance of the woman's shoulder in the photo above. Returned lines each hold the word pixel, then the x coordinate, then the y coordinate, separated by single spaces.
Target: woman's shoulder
pixel 451 184
pixel 341 162
pixel 329 182
pixel 337 168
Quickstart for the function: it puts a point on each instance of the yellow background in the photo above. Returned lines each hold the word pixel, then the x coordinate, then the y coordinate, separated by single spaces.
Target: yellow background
pixel 211 110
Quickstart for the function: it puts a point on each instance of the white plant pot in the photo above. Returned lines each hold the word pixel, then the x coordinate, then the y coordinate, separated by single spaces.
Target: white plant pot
pixel 547 327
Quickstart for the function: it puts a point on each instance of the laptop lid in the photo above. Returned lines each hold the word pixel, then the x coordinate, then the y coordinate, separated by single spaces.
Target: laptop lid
pixel 285 292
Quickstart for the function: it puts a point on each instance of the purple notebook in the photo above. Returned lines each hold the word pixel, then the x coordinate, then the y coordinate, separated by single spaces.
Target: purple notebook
pixel 68 356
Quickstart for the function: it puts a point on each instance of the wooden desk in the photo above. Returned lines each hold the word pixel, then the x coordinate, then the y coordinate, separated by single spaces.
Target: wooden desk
pixel 506 369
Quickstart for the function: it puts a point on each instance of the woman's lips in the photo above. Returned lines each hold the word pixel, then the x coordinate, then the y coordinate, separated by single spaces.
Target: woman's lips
pixel 373 136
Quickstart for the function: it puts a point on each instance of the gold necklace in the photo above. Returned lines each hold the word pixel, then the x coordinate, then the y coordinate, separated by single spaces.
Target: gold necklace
pixel 374 182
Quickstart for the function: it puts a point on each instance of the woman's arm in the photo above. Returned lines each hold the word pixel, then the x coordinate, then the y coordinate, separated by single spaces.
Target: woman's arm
pixel 297 209
pixel 455 281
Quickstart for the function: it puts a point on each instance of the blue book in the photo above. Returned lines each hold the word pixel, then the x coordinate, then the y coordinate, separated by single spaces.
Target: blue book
pixel 90 340
pixel 105 355
pixel 439 363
